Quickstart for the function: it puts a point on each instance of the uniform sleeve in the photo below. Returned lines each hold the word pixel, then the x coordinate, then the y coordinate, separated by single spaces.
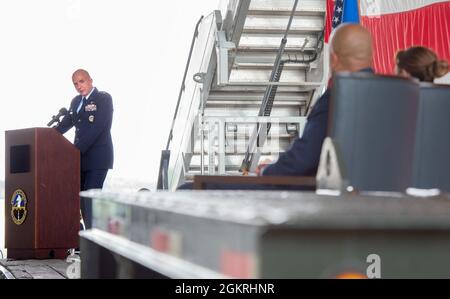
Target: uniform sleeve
pixel 103 117
pixel 303 157
pixel 66 123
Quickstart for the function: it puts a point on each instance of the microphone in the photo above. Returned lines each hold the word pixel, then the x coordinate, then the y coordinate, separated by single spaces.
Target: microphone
pixel 55 118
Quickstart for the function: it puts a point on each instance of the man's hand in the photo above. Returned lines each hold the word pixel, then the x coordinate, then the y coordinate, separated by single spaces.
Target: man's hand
pixel 261 166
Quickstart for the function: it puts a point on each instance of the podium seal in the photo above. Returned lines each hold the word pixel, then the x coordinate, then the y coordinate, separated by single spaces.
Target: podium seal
pixel 19 207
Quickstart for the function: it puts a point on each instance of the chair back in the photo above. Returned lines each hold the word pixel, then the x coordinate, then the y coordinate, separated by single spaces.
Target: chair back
pixel 432 152
pixel 373 123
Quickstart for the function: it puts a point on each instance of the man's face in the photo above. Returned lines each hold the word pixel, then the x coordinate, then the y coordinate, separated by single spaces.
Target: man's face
pixel 82 83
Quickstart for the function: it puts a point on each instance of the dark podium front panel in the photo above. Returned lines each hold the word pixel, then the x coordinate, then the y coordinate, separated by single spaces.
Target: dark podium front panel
pixel 42 204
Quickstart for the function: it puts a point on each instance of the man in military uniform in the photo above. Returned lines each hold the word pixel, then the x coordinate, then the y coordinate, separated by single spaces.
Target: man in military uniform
pixel 351 50
pixel 91 112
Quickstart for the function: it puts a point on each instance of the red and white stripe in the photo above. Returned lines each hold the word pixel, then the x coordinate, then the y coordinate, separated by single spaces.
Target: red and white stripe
pixel 400 24
pixel 373 8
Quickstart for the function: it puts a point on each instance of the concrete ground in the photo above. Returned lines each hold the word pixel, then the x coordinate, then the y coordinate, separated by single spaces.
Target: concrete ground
pixel 43 269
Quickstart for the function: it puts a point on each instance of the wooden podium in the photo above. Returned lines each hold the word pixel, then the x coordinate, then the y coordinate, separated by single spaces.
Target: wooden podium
pixel 42 186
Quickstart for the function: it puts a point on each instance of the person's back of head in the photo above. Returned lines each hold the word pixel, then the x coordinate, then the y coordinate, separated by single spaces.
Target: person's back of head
pixel 421 63
pixel 351 49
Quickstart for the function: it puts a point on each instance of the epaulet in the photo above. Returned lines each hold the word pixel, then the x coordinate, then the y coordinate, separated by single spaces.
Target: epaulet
pixel 76 98
pixel 104 93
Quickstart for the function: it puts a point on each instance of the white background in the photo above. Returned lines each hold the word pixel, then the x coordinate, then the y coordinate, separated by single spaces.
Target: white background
pixel 136 50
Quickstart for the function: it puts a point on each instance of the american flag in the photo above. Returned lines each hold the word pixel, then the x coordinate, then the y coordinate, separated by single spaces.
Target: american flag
pixel 334 16
pixel 338 13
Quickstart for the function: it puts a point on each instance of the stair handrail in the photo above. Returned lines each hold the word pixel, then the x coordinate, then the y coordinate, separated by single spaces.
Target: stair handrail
pixel 278 65
pixel 193 94
pixel 183 84
pixel 163 176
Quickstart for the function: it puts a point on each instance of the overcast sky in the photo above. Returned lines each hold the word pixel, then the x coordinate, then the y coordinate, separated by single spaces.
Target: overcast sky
pixel 136 50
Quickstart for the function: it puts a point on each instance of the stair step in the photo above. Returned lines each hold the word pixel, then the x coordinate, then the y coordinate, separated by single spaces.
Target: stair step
pixel 270 42
pixel 279 29
pixel 304 86
pixel 242 88
pixel 228 154
pixel 278 24
pixel 233 163
pixel 269 66
pixel 244 75
pixel 281 97
pixel 267 59
pixel 242 136
pixel 231 150
pixel 245 136
pixel 262 11
pixel 230 169
pixel 250 104
pixel 284 7
pixel 250 111
pixel 261 73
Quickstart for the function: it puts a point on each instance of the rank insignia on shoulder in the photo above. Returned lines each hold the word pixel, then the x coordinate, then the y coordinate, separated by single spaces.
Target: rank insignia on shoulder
pixel 91 119
pixel 91 107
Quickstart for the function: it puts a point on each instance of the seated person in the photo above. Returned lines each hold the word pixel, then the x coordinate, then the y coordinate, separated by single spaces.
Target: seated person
pixel 420 63
pixel 350 51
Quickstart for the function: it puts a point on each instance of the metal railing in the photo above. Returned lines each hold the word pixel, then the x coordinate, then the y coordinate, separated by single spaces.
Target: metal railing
pixel 163 178
pixel 183 84
pixel 193 93
pixel 201 67
pixel 214 138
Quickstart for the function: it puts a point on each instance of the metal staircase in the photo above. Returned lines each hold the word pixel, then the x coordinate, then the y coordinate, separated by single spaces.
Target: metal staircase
pixel 232 58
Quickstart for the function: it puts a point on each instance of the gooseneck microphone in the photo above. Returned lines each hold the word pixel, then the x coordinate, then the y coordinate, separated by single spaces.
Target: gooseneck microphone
pixel 55 118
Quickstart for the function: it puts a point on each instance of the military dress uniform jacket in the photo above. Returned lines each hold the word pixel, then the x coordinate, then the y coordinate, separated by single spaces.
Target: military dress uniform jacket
pixel 93 130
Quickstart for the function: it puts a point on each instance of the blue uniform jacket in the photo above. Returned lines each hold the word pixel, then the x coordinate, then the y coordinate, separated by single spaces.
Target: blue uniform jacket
pixel 303 157
pixel 93 130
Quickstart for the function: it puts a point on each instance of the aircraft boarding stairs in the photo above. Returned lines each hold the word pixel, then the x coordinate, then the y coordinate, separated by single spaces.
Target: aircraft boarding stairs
pixel 232 58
